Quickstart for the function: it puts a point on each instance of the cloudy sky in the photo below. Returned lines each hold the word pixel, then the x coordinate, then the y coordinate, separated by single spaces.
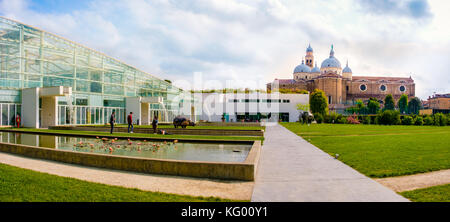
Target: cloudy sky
pixel 245 40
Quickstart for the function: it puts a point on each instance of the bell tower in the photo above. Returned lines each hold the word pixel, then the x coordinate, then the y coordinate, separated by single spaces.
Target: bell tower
pixel 309 58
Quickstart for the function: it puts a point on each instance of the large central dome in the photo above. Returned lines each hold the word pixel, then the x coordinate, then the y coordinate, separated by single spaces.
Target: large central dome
pixel 331 62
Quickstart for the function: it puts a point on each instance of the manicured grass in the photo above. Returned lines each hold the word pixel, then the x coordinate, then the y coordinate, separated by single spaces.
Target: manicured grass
pixel 22 185
pixel 430 194
pixel 143 135
pixel 381 151
pixel 190 127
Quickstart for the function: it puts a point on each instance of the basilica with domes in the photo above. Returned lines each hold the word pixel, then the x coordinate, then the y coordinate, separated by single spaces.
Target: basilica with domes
pixel 340 86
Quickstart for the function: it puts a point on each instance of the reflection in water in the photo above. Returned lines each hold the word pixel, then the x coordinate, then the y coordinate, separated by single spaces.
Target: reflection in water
pixel 136 148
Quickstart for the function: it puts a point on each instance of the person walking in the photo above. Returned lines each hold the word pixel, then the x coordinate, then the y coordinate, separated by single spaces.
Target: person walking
pixel 155 124
pixel 130 122
pixel 112 120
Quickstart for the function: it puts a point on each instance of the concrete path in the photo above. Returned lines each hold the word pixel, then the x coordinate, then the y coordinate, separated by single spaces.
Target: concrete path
pixel 237 190
pixel 291 169
pixel 416 181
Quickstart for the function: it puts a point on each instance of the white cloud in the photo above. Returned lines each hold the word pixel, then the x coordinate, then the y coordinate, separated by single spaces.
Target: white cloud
pixel 258 39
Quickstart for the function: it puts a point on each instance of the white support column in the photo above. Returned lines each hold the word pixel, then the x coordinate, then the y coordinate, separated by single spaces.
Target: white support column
pixel 30 107
pixel 49 115
pixel 133 104
pixel 145 114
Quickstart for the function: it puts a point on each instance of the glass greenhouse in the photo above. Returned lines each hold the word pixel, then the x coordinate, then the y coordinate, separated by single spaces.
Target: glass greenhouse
pixel 30 58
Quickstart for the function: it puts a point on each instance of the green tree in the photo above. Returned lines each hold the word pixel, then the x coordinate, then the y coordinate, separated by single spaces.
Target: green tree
pixel 403 104
pixel 373 106
pixel 414 105
pixel 389 102
pixel 318 102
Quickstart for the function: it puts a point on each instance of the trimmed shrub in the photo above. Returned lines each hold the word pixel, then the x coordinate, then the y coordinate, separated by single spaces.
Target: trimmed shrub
pixel 428 121
pixel 342 120
pixel 318 117
pixel 334 117
pixel 407 120
pixel 440 119
pixel 366 120
pixel 389 117
pixel 418 121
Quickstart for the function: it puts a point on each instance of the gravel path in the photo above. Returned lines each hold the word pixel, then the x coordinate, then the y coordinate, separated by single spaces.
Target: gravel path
pixel 236 190
pixel 416 181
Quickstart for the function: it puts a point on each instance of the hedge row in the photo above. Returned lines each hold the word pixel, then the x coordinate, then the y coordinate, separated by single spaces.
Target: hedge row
pixel 387 117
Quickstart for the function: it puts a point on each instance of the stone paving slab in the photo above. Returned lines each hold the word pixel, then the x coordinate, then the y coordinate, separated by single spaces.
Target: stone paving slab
pixel 236 190
pixel 293 170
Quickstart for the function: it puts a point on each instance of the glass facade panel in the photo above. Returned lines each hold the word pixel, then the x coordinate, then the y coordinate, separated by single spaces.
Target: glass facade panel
pixel 33 58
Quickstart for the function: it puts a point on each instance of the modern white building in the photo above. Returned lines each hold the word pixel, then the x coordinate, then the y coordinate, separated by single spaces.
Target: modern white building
pixel 234 107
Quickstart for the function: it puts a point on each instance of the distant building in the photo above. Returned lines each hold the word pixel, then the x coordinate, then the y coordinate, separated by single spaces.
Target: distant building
pixel 340 86
pixel 438 103
pixel 252 107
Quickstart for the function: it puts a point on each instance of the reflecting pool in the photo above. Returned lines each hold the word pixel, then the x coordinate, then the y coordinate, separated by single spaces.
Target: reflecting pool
pixel 214 152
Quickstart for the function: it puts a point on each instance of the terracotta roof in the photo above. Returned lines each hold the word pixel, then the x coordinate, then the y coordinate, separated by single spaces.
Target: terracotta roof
pixel 378 78
pixel 285 81
pixel 441 96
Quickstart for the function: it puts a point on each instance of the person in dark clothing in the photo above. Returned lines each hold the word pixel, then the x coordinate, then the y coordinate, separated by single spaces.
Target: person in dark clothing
pixel 155 124
pixel 130 122
pixel 112 120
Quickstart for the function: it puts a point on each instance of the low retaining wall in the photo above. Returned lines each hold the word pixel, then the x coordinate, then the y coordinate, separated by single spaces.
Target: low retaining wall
pixel 228 124
pixel 178 131
pixel 217 170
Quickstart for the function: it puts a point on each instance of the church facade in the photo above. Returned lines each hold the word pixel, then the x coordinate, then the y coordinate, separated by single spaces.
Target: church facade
pixel 340 86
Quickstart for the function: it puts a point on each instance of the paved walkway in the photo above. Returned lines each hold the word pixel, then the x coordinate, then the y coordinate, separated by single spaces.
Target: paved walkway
pixel 237 190
pixel 291 169
pixel 416 181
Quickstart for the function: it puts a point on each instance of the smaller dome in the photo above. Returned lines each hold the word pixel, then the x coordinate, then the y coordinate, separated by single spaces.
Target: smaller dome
pixel 302 68
pixel 315 69
pixel 347 69
pixel 309 49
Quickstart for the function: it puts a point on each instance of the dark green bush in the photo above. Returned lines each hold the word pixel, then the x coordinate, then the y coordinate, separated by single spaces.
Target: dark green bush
pixel 440 119
pixel 389 117
pixel 342 120
pixel 428 120
pixel 418 121
pixel 318 117
pixel 407 120
pixel 366 120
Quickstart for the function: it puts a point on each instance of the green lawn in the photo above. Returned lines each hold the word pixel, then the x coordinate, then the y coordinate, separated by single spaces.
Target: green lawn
pixel 143 135
pixel 381 151
pixel 17 184
pixel 430 194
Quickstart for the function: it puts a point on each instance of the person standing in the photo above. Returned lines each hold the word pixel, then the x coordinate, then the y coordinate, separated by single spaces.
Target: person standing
pixel 155 124
pixel 112 120
pixel 130 122
pixel 18 120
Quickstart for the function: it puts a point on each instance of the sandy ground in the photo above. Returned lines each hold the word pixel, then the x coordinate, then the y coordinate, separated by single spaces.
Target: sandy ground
pixel 416 181
pixel 237 190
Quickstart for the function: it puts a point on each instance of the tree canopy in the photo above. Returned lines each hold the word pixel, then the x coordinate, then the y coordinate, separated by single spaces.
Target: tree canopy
pixel 318 102
pixel 389 103
pixel 414 105
pixel 403 103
